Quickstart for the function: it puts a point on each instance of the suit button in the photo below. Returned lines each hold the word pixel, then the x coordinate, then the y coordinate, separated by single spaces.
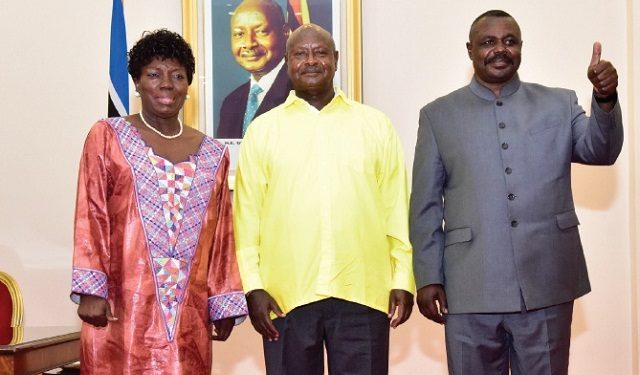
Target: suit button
pixel 505 146
pixel 511 197
pixel 502 125
pixel 508 170
pixel 499 103
pixel 514 223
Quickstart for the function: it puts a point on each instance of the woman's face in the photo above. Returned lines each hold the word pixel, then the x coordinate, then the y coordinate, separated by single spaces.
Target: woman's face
pixel 163 87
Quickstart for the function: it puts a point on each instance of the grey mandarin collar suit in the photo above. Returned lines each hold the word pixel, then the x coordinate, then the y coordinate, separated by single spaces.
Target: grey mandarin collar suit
pixel 483 92
pixel 497 171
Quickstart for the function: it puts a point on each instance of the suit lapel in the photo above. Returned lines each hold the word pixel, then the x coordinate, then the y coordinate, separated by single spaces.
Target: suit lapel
pixel 278 92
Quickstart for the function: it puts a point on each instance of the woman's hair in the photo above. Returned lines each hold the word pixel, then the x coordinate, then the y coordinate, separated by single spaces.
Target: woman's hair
pixel 163 44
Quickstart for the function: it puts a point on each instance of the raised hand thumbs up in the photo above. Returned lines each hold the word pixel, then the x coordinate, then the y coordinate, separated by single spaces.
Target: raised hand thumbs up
pixel 595 56
pixel 602 74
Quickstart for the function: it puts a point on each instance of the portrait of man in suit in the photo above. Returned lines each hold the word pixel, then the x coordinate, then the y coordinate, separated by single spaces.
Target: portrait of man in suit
pixel 258 35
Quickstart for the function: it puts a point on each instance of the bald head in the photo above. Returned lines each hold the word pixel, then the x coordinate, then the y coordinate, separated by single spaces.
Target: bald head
pixel 270 8
pixel 311 29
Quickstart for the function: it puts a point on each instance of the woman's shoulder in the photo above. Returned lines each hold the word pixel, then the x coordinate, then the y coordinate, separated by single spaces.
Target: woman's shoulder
pixel 111 123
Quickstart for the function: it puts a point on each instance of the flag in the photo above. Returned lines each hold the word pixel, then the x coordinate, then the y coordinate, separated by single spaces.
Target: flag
pixel 298 13
pixel 118 76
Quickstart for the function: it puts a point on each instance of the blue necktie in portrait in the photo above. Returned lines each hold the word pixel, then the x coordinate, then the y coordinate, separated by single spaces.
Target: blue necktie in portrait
pixel 252 107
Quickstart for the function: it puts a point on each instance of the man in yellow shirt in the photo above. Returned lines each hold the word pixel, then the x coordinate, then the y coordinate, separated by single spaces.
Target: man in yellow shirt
pixel 320 214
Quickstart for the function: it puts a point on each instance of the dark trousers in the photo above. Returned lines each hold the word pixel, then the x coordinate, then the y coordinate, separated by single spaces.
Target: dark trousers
pixel 356 338
pixel 530 342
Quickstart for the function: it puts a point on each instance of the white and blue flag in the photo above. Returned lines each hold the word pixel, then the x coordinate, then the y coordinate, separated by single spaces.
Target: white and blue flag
pixel 118 76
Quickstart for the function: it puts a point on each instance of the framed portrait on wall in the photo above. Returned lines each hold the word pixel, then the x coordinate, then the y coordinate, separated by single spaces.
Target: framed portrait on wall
pixel 239 46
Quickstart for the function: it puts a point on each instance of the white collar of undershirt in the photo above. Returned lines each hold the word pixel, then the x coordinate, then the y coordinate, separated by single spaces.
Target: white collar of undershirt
pixel 267 80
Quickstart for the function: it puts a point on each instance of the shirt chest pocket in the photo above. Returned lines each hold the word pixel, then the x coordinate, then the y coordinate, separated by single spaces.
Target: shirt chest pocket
pixel 549 144
pixel 357 158
pixel 549 126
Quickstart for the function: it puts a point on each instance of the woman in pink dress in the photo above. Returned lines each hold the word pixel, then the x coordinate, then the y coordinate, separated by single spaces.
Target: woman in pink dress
pixel 154 268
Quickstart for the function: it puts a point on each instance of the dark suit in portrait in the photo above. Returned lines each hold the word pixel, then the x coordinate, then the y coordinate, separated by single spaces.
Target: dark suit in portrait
pixel 235 104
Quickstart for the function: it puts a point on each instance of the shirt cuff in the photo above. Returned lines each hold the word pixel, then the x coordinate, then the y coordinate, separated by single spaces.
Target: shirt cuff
pixel 89 282
pixel 404 281
pixel 227 305
pixel 251 282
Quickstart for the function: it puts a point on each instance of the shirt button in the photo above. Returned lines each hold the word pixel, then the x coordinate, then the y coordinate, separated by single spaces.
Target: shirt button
pixel 499 103
pixel 505 146
pixel 514 223
pixel 502 125
pixel 511 197
pixel 508 170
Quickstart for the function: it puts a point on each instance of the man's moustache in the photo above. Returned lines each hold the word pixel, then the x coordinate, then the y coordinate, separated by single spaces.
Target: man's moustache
pixel 252 52
pixel 498 58
pixel 312 70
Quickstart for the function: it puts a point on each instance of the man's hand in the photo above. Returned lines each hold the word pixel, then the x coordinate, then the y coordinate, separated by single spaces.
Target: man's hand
pixel 95 310
pixel 222 329
pixel 602 74
pixel 427 298
pixel 400 304
pixel 261 304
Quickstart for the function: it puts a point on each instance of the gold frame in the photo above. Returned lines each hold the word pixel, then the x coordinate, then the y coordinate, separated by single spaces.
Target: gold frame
pixel 17 310
pixel 190 34
pixel 352 23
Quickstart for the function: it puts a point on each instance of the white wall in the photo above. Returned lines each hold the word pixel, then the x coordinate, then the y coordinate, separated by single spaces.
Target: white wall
pixel 634 181
pixel 54 74
pixel 54 77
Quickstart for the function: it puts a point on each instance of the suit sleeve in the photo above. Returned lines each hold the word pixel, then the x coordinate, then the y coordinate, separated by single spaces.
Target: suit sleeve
pixel 427 207
pixel 91 251
pixel 248 199
pixel 395 195
pixel 226 298
pixel 232 113
pixel 597 139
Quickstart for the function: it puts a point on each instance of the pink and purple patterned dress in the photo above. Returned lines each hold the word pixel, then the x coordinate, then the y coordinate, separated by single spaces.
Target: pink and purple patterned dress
pixel 156 240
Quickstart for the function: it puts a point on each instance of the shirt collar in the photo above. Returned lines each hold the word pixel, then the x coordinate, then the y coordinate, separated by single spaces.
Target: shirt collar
pixel 268 79
pixel 485 93
pixel 339 97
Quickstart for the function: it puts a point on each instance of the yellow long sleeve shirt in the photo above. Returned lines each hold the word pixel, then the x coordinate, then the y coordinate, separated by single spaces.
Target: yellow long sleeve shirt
pixel 321 205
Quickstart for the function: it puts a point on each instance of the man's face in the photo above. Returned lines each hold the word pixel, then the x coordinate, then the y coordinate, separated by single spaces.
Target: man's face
pixel 494 47
pixel 312 62
pixel 257 43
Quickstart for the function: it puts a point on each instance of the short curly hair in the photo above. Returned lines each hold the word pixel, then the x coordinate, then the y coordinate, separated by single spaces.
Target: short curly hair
pixel 163 44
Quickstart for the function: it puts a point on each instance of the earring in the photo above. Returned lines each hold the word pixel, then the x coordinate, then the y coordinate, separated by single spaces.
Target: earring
pixel 188 96
pixel 136 94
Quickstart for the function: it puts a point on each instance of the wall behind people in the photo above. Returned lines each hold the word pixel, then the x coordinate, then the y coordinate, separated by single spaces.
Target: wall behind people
pixel 54 74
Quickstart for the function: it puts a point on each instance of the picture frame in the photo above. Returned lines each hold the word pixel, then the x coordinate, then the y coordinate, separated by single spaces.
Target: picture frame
pixel 200 18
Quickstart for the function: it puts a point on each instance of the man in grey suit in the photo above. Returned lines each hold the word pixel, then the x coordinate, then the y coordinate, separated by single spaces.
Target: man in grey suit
pixel 493 162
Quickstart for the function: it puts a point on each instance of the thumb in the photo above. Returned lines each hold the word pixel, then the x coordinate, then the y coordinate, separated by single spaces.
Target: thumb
pixel 595 56
pixel 392 308
pixel 276 309
pixel 110 316
pixel 444 308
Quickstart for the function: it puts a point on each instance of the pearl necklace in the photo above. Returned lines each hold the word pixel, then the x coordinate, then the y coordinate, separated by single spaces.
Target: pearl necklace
pixel 158 131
